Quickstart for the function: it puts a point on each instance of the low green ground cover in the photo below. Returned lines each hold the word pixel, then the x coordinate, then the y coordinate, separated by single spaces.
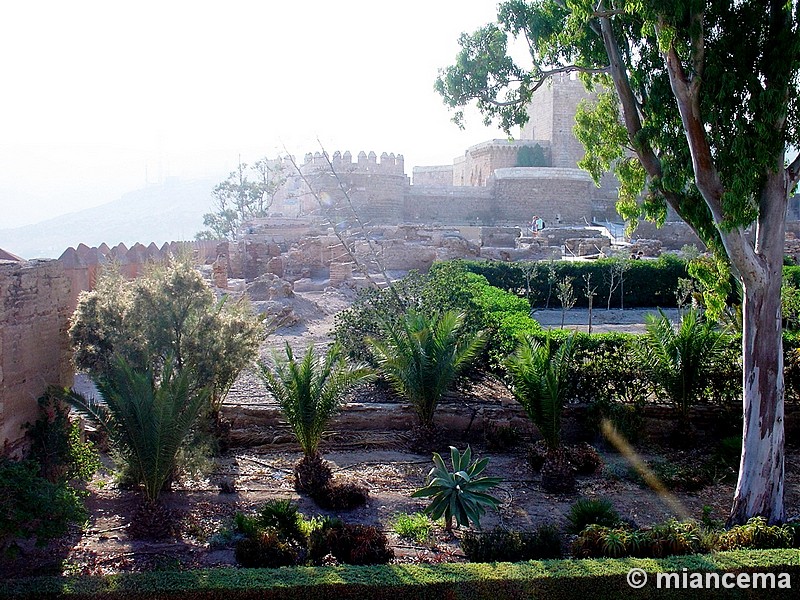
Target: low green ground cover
pixel 592 578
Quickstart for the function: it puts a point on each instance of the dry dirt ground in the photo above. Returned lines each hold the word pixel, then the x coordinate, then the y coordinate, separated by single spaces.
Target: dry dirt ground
pixel 391 473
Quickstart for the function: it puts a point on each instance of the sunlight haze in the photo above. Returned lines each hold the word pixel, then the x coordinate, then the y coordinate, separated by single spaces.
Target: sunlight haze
pixel 102 98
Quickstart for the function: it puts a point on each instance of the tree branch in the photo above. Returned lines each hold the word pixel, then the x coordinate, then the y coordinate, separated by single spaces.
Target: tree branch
pixel 741 254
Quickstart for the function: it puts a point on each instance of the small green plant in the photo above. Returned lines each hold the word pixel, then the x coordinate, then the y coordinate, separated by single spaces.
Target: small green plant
pixel 503 545
pixel 416 527
pixel 31 507
pixel 421 357
pixel 310 392
pixel 56 444
pixel 756 534
pixel 591 511
pixel 539 380
pixel 458 494
pixel 679 360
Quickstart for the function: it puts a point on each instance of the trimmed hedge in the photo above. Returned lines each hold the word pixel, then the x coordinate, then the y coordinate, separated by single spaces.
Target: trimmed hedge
pixel 589 578
pixel 646 283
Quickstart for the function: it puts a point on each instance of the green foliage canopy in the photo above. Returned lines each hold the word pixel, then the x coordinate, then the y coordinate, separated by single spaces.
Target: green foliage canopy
pixel 169 311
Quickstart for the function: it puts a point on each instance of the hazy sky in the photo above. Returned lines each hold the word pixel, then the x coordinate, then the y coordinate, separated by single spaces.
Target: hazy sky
pixel 100 97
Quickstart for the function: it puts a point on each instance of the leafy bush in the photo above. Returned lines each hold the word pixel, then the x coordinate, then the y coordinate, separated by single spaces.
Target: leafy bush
pixel 168 314
pixel 33 507
pixel 448 286
pixel 666 539
pixel 56 444
pixel 756 534
pixel 503 545
pixel 459 493
pixel 146 421
pixel 585 460
pixel 647 283
pixel 679 358
pixel 421 358
pixel 416 526
pixel 358 544
pixel 284 517
pixel 591 511
pixel 538 377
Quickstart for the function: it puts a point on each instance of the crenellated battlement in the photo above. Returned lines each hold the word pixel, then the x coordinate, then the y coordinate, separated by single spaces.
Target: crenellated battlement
pixel 389 164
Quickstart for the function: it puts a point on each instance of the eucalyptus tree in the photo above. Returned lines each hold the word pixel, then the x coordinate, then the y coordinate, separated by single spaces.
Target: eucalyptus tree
pixel 699 113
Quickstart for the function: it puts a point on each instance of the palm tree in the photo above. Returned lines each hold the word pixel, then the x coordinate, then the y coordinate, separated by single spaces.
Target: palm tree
pixel 309 392
pixel 147 421
pixel 539 382
pixel 680 359
pixel 421 357
pixel 539 377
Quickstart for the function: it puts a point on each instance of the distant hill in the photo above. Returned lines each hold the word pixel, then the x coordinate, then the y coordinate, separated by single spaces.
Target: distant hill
pixel 172 211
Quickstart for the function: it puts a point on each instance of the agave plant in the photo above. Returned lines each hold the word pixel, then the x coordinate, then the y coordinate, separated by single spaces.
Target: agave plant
pixel 422 356
pixel 459 493
pixel 146 421
pixel 680 359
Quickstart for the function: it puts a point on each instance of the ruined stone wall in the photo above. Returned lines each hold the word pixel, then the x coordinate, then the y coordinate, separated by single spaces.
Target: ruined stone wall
pixel 34 345
pixel 559 196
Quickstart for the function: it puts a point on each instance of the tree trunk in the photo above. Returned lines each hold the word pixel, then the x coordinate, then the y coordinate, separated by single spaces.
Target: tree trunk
pixel 759 490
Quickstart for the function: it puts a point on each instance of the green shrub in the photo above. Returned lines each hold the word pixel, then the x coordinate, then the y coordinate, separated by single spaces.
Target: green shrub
pixel 359 544
pixel 756 534
pixel 416 526
pixel 665 539
pixel 591 511
pixel 647 283
pixel 167 314
pixel 459 494
pixel 56 444
pixel 503 545
pixel 679 359
pixel 284 517
pixel 309 391
pixel 422 356
pixel 31 507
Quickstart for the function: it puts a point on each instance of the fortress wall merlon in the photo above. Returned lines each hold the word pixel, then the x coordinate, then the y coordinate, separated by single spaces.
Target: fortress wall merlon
pixel 342 162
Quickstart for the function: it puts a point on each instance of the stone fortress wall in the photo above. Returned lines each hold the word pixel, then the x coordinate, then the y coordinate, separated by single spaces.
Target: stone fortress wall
pixel 484 186
pixel 34 346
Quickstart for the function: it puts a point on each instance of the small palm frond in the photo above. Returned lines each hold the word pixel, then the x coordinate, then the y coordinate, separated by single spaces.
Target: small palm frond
pixel 421 357
pixel 539 379
pixel 145 420
pixel 309 391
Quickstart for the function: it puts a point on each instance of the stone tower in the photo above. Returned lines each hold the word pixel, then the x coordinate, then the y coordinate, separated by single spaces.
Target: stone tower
pixel 552 118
